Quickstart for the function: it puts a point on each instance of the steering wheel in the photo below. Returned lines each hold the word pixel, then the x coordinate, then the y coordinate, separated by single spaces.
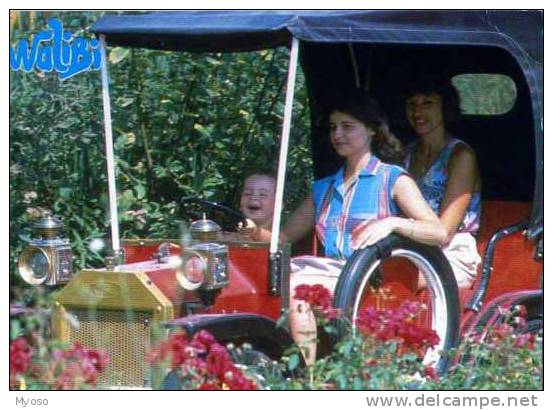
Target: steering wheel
pixel 232 216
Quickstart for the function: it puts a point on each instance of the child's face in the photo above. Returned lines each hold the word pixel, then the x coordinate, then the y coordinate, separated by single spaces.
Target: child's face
pixel 258 199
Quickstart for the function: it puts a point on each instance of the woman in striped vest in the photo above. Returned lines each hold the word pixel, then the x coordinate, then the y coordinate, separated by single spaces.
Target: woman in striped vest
pixel 365 201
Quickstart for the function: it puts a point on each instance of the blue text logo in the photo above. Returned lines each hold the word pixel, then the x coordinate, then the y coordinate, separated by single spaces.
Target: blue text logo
pixel 57 50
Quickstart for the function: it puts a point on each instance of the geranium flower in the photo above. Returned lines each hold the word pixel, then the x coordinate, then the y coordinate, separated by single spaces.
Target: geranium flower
pixel 20 356
pixel 209 386
pixel 520 310
pixel 316 295
pixel 430 372
pixel 525 339
pixel 397 324
pixel 202 362
pixel 319 298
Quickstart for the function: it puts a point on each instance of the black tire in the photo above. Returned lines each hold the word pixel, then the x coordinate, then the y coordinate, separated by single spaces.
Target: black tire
pixel 362 271
pixel 535 326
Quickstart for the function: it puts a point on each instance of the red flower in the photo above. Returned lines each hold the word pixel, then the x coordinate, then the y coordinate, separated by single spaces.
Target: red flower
pixel 525 339
pixel 319 298
pixel 239 382
pixel 519 322
pixel 64 381
pixel 202 362
pixel 429 371
pixel 99 359
pixel 75 368
pixel 218 361
pixel 331 313
pixel 202 341
pixel 203 336
pixel 520 310
pixel 173 349
pixel 20 356
pixel 499 332
pixel 416 337
pixel 368 320
pixel 316 295
pixel 397 324
pixel 209 386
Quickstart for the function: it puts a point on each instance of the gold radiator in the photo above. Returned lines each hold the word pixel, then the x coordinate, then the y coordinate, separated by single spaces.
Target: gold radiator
pixel 118 312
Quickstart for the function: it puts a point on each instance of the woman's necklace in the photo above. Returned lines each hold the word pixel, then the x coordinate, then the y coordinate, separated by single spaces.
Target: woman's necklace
pixel 426 164
pixel 426 159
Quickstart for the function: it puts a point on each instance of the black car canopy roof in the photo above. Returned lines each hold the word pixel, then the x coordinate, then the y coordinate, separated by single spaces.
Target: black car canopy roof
pixel 251 30
pixel 518 32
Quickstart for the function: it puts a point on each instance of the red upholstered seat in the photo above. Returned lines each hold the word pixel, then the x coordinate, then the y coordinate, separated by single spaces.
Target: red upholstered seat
pixel 514 267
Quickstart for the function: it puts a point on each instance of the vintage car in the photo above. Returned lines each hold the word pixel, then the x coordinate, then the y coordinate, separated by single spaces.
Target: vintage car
pixel 237 289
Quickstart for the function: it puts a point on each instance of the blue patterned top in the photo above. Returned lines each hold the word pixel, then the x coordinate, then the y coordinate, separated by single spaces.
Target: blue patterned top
pixel 433 185
pixel 340 208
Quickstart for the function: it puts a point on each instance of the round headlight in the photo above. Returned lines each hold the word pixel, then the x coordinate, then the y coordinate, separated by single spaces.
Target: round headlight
pixel 34 266
pixel 191 273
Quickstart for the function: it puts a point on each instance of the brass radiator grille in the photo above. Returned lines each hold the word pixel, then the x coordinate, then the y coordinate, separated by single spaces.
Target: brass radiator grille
pixel 120 312
pixel 123 334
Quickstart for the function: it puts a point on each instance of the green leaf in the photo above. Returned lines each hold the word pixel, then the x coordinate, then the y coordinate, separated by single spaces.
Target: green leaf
pixel 65 192
pixel 24 237
pixel 282 320
pixel 345 347
pixel 357 384
pixel 124 101
pixel 206 132
pixel 293 361
pixel 212 61
pixel 140 191
pixel 118 54
pixel 330 329
pixel 126 200
pixel 15 329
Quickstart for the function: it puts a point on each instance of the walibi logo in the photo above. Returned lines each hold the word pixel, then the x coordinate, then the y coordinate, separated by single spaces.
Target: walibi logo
pixel 57 50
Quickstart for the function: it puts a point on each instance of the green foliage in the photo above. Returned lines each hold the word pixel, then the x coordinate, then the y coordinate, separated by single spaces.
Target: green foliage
pixel 485 94
pixel 386 350
pixel 358 363
pixel 184 124
pixel 503 356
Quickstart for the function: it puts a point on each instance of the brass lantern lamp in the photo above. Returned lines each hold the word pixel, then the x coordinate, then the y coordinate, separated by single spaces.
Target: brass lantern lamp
pixel 47 259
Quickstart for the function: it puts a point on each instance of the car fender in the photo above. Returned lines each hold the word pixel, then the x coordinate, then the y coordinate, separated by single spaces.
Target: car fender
pixel 260 331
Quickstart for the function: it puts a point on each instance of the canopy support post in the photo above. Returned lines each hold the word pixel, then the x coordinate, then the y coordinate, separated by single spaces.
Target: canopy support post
pixel 109 151
pixel 284 139
pixel 354 65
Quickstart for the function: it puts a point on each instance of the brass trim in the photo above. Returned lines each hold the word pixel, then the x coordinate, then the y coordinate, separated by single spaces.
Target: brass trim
pixel 180 272
pixel 111 291
pixel 229 242
pixel 24 267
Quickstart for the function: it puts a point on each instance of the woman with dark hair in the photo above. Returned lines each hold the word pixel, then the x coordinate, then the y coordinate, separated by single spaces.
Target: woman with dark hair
pixel 446 172
pixel 352 209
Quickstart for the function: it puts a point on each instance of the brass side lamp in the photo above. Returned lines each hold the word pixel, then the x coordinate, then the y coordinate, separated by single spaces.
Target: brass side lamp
pixel 47 259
